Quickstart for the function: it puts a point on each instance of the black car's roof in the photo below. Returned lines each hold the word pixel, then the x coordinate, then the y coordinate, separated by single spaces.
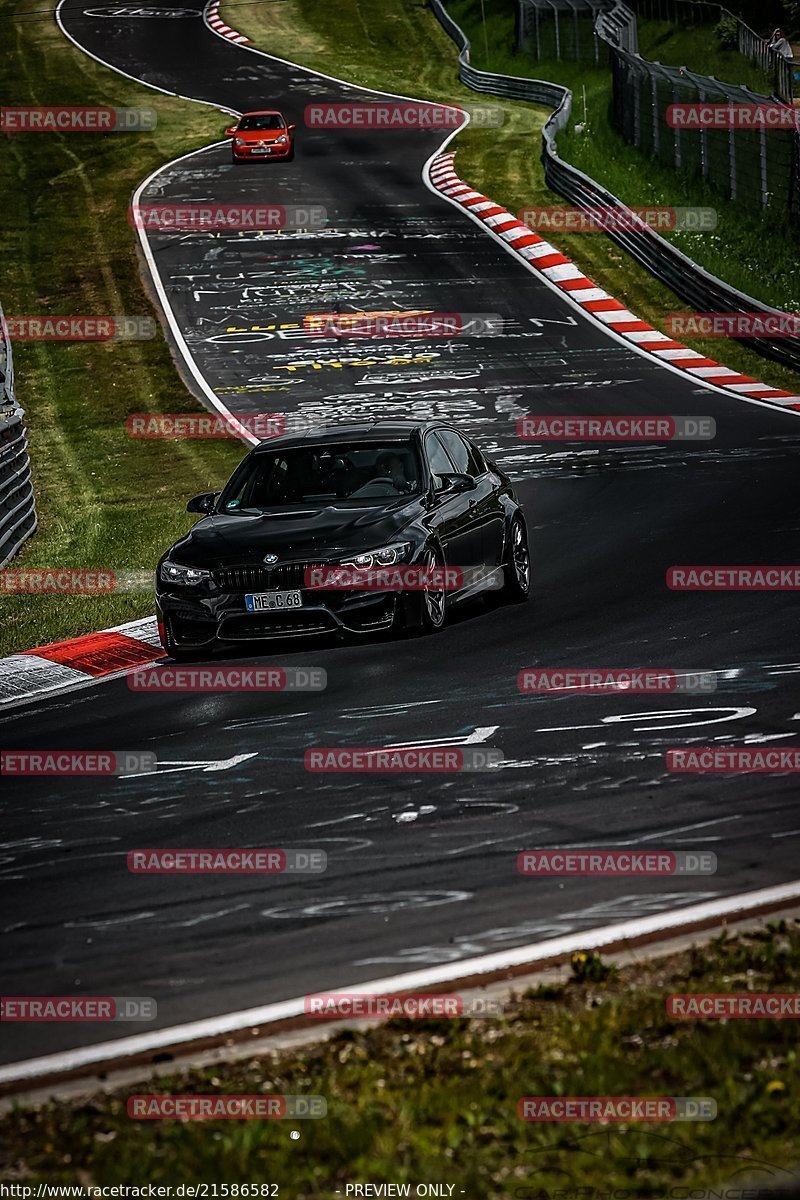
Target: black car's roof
pixel 363 431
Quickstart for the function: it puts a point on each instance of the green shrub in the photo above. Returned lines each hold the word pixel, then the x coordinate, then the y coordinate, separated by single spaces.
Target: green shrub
pixel 727 33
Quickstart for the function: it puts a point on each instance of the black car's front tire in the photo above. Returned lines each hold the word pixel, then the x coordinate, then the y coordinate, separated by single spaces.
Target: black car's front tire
pixel 517 567
pixel 429 605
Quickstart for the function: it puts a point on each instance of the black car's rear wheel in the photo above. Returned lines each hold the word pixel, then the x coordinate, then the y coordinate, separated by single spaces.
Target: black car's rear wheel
pixel 518 563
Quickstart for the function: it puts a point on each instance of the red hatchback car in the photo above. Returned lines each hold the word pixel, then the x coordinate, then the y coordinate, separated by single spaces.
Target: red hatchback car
pixel 263 134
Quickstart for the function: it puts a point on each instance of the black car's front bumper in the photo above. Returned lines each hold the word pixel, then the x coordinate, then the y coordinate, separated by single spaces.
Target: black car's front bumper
pixel 199 620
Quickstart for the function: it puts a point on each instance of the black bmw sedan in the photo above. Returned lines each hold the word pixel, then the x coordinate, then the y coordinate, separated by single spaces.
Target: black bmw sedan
pixel 313 531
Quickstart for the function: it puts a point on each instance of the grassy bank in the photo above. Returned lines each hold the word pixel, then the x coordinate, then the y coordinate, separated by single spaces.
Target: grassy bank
pixel 399 46
pixel 430 1101
pixel 67 248
pixel 696 47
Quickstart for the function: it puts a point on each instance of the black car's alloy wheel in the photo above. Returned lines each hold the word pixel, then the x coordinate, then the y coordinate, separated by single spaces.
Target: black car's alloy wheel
pixel 433 601
pixel 518 563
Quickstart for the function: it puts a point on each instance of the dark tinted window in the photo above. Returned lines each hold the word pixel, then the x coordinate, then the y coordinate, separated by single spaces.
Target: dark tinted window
pixel 265 121
pixel 331 472
pixel 467 459
pixel 440 463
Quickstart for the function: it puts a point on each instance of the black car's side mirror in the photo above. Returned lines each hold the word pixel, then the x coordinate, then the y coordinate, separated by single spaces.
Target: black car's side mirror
pixel 202 504
pixel 454 482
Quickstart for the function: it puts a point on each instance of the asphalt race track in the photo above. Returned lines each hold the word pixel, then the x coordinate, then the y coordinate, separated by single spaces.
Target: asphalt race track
pixel 422 869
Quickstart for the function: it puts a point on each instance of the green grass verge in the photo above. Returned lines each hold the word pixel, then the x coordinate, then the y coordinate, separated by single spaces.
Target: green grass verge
pixel 436 1101
pixel 399 46
pixel 696 47
pixel 104 500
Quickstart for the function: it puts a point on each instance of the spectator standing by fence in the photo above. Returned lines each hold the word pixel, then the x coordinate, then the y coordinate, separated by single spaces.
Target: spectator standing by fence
pixel 780 44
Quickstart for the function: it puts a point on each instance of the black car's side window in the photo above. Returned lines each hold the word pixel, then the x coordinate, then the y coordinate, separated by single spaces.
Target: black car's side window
pixel 467 458
pixel 440 464
pixel 477 461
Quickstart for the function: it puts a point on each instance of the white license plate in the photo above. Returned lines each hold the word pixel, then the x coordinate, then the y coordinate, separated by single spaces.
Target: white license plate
pixel 271 601
pixel 261 150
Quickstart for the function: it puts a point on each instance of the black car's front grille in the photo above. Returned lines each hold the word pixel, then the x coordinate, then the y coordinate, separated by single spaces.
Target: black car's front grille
pixel 239 580
pixel 252 628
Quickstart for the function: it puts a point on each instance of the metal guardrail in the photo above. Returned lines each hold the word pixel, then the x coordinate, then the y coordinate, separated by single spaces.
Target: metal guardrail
pixel 17 506
pixel 704 291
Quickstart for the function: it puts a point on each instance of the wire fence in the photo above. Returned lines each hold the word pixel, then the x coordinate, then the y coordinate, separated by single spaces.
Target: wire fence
pixel 757 168
pixel 562 30
pixel 17 506
pixel 781 72
pixel 703 291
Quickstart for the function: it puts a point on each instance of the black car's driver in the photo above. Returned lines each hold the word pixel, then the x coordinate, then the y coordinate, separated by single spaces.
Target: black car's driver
pixel 391 466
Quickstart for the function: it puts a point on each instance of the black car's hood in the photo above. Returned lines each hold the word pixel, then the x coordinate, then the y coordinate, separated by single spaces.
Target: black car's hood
pixel 307 531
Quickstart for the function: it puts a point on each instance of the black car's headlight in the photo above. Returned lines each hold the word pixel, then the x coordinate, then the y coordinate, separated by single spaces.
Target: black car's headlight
pixel 386 556
pixel 171 572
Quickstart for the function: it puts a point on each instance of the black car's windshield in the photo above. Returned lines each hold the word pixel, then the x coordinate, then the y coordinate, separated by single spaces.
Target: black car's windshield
pixel 346 471
pixel 265 121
